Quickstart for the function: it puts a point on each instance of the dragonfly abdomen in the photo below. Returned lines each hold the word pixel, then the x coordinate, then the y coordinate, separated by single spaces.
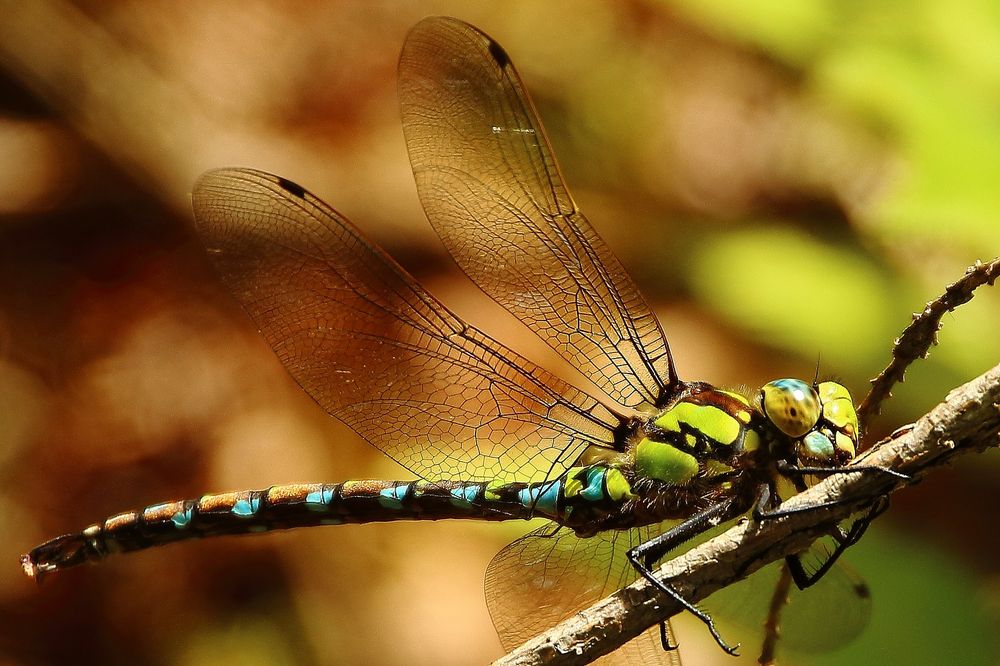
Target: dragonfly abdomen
pixel 281 507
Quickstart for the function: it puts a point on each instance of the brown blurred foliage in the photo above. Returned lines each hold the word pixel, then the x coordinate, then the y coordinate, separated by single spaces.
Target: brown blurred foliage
pixel 128 376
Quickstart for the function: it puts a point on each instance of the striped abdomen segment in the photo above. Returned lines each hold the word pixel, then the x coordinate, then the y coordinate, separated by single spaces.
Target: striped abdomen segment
pixel 281 507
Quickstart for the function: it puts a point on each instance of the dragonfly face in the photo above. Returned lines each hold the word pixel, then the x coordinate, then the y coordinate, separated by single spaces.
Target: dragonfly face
pixel 819 421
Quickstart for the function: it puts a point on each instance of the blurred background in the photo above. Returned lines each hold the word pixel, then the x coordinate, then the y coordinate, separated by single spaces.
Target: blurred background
pixel 787 182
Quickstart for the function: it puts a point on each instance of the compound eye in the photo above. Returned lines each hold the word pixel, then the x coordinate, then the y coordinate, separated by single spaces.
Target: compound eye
pixel 792 405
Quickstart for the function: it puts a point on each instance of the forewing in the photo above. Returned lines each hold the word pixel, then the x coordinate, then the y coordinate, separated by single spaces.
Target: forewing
pixel 544 577
pixel 377 351
pixel 490 185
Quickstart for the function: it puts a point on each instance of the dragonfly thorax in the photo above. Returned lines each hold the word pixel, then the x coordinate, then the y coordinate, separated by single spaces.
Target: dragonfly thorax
pixel 705 433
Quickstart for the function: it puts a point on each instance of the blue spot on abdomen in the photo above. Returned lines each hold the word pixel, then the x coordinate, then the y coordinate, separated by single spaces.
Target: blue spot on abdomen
pixel 182 519
pixel 392 498
pixel 543 498
pixel 464 496
pixel 245 508
pixel 320 499
pixel 594 492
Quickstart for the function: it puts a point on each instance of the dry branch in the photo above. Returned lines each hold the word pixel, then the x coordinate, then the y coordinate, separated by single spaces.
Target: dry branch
pixel 916 339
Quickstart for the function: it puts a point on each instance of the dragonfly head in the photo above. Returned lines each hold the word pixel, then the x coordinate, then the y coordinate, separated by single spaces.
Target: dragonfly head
pixel 819 419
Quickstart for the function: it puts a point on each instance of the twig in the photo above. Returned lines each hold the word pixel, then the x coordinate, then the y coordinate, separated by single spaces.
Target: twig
pixel 916 339
pixel 968 420
pixel 772 628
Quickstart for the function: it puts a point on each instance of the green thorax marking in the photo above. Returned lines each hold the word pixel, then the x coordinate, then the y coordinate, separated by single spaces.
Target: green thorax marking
pixel 699 435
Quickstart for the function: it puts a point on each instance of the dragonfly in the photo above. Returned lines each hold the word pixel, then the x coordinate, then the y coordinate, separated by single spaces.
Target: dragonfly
pixel 623 475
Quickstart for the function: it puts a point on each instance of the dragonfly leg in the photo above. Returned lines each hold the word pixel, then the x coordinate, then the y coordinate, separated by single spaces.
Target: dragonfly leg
pixel 665 638
pixel 762 513
pixel 845 540
pixel 789 469
pixel 645 555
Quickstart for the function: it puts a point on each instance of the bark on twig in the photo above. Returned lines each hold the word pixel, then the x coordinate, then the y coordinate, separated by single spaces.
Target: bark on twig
pixel 967 421
pixel 916 339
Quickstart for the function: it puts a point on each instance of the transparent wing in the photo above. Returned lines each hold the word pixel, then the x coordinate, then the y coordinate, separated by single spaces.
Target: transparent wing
pixel 824 617
pixel 545 576
pixel 490 185
pixel 377 351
